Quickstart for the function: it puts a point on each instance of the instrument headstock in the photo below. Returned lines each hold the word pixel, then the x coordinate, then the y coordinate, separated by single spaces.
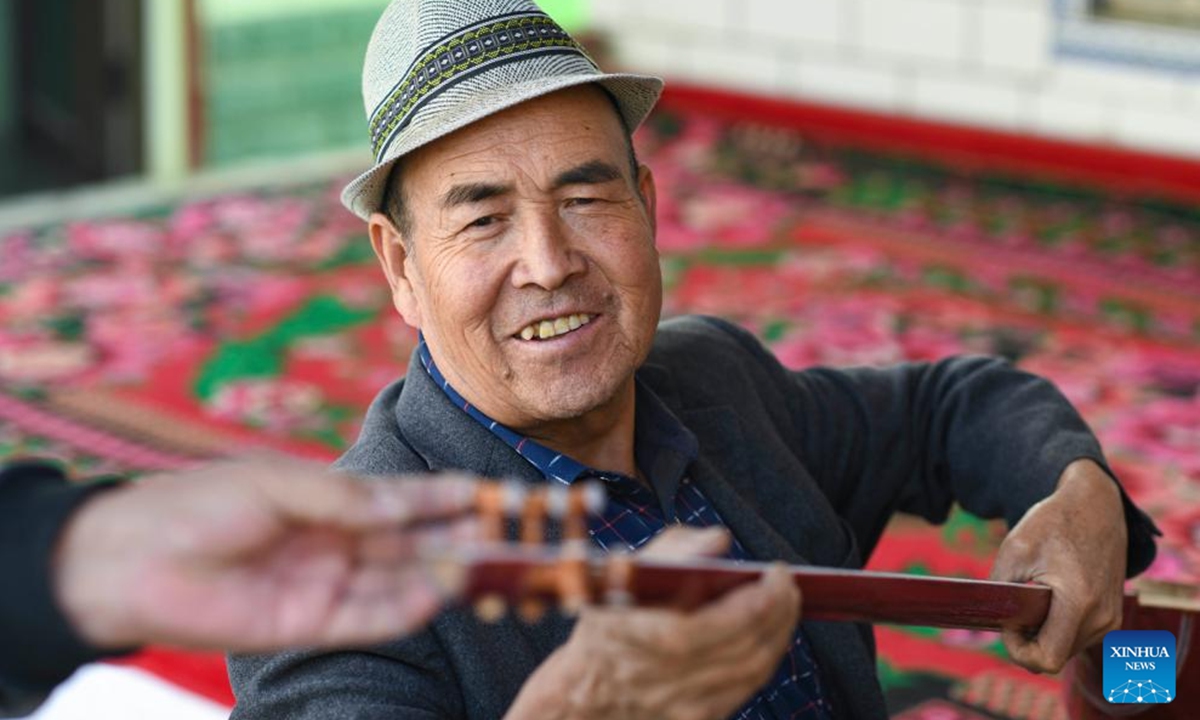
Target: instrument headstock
pixel 531 575
pixel 561 577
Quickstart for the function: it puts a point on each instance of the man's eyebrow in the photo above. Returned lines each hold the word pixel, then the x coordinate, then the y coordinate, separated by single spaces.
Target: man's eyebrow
pixel 593 172
pixel 472 193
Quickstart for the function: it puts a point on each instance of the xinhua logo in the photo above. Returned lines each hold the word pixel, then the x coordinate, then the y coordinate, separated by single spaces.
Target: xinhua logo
pixel 1139 666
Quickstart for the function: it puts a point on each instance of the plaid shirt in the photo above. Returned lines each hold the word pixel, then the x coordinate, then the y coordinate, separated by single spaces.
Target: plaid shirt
pixel 635 513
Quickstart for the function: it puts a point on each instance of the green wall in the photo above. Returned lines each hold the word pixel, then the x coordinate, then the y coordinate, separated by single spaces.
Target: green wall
pixel 571 14
pixel 286 85
pixel 283 79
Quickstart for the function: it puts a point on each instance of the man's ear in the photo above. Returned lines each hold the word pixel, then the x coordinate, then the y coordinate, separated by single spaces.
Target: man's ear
pixel 649 195
pixel 391 251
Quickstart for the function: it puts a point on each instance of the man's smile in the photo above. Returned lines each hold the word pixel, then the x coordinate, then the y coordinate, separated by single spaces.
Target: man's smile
pixel 553 327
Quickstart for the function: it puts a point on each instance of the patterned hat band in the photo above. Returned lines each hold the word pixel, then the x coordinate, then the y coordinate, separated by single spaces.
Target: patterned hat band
pixel 433 67
pixel 462 54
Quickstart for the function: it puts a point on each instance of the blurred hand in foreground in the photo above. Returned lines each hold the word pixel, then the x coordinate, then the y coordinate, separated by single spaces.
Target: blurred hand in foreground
pixel 256 555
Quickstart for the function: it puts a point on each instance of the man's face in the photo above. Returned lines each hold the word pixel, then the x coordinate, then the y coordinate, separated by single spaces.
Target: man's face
pixel 530 266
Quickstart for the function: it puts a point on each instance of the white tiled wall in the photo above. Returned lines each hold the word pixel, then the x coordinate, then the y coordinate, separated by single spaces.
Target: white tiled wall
pixel 1012 37
pixel 819 22
pixel 1001 102
pixel 911 31
pixel 832 80
pixel 984 62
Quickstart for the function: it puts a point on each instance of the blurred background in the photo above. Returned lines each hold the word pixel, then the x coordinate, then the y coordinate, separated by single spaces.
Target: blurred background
pixel 856 181
pixel 92 90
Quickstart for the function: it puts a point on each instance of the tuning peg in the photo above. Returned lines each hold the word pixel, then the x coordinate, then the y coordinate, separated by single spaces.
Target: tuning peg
pixel 513 497
pixel 562 505
pixel 489 503
pixel 618 580
pixel 594 496
pixel 531 611
pixel 491 608
pixel 556 501
pixel 575 522
pixel 533 517
pixel 572 577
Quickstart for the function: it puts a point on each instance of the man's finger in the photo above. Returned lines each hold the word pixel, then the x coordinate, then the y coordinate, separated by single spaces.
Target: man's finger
pixel 732 671
pixel 1013 562
pixel 672 632
pixel 680 542
pixel 1101 622
pixel 1054 643
pixel 763 608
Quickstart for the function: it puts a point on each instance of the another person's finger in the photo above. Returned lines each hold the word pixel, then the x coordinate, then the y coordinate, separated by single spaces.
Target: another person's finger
pixel 434 498
pixel 299 490
pixel 307 492
pixel 378 607
pixel 392 545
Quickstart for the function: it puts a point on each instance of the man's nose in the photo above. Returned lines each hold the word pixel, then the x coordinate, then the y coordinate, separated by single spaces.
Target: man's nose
pixel 548 256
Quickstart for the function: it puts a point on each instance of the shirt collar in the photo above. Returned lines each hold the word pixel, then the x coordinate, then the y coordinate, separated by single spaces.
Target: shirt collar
pixel 663 446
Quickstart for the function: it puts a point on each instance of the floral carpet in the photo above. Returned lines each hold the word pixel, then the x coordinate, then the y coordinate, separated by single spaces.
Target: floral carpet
pixel 195 330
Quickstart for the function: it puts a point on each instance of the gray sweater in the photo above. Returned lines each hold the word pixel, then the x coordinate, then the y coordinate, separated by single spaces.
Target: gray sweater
pixel 805 467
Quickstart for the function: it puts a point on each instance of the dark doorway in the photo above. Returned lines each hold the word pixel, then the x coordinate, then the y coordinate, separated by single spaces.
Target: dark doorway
pixel 76 89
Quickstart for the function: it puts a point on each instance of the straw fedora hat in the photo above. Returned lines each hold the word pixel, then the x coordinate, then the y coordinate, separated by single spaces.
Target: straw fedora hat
pixel 434 66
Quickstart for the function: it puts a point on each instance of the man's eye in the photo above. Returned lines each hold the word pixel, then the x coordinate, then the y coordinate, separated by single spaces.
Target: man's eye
pixel 577 201
pixel 483 221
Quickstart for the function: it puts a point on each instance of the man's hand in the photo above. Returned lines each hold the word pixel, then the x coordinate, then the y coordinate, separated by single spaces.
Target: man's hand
pixel 1075 541
pixel 655 664
pixel 256 555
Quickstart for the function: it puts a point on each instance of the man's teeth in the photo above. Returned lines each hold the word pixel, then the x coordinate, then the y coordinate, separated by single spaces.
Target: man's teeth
pixel 547 329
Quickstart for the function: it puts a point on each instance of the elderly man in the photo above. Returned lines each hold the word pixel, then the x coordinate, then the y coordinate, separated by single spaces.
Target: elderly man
pixel 516 230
